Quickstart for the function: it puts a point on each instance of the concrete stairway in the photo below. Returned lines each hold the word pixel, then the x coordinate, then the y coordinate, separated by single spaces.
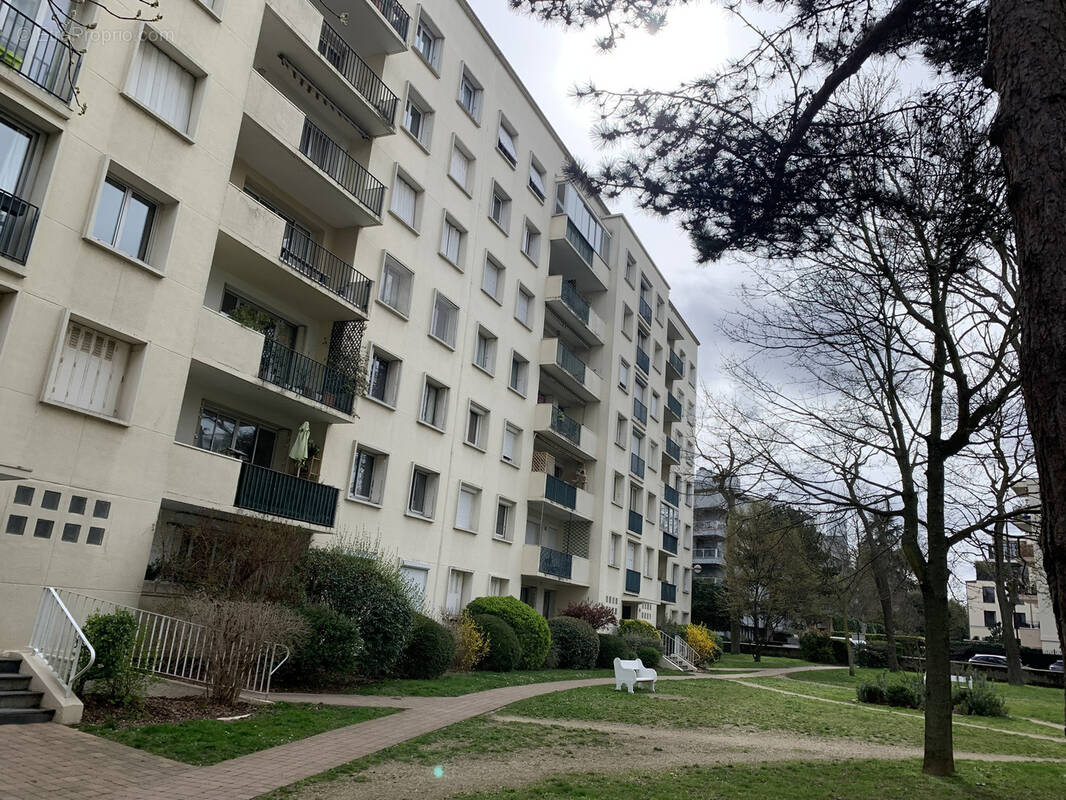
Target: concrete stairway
pixel 19 705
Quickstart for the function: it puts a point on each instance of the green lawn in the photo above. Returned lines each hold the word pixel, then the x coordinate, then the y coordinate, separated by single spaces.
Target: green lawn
pixel 209 741
pixel 457 684
pixel 745 661
pixel 853 780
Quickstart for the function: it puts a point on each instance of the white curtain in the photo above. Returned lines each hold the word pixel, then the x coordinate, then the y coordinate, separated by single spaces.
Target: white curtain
pixel 403 201
pixel 460 166
pixel 165 87
pixel 464 516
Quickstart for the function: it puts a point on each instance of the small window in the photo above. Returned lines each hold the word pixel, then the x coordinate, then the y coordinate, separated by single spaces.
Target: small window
pixel 505 141
pixel 631 269
pixel 485 350
pixel 78 504
pixel 512 444
pixel 498 587
pixel 614 549
pixel 990 619
pixel 660 309
pixel 50 500
pixel 16 524
pixel 452 241
pixel 163 86
pixel 649 562
pixel 623 374
pixel 416 577
pixel 657 358
pixel 519 379
pixel 537 177
pixel 418 118
pixel 43 529
pixel 524 306
pixel 461 165
pixel 434 407
pixel 71 532
pixel 988 594
pixel 406 200
pixel 423 497
pixel 383 377
pixel 531 241
pixel 470 94
pixel 621 430
pixel 95 537
pixel 102 509
pixel 627 321
pixel 91 371
pixel 504 529
pixel 653 407
pixel 468 509
pixel 691 374
pixel 500 207
pixel 124 219
pixel 492 280
pixel 477 424
pixel 428 41
pixel 395 284
pixel 637 441
pixel 24 495
pixel 618 490
pixel 368 475
pixel 445 320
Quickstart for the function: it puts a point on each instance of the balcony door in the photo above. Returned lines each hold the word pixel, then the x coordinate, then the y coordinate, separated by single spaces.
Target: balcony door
pixel 231 435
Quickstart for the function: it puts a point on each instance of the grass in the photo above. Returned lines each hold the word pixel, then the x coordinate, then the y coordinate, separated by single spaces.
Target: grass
pixel 745 661
pixel 852 780
pixel 209 741
pixel 462 683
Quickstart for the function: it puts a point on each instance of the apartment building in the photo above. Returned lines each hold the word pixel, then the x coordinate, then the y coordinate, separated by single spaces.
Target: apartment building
pixel 710 515
pixel 243 199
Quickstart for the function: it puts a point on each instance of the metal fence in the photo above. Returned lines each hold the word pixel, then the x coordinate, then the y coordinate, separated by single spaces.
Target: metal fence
pixel 357 72
pixel 59 641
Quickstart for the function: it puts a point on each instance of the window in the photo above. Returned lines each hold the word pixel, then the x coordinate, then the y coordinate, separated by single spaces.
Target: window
pixel 383 377
pixel 405 200
pixel 504 520
pixel 660 309
pixel 163 86
pixel 238 437
pixel 524 306
pixel 485 350
pixel 686 586
pixel 458 591
pixel 418 118
pixel 498 587
pixel 423 497
pixel 451 240
pixel 623 374
pixel 505 141
pixel 396 285
pixel 657 359
pixel 537 175
pixel 649 562
pixel 621 430
pixel 618 490
pixel 468 509
pixel 416 578
pixel 124 219
pixel 461 166
pixel 653 455
pixel 631 269
pixel 492 279
pixel 477 424
pixel 512 444
pixel 988 594
pixel 500 207
pixel 368 475
pixel 627 321
pixel 519 379
pixel 653 407
pixel 91 370
pixel 445 320
pixel 651 506
pixel 640 390
pixel 990 619
pixel 470 95
pixel 428 42
pixel 434 406
pixel 613 549
pixel 637 442
pixel 687 541
pixel 632 556
pixel 691 374
pixel 531 241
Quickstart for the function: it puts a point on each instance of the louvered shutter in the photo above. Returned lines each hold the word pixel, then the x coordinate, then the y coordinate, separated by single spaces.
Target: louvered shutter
pixel 91 368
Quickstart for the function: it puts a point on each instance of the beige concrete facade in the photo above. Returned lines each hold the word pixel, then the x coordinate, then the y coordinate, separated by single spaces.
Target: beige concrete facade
pixel 304 177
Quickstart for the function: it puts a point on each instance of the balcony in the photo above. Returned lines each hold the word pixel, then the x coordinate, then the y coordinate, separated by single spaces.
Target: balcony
pixel 295 372
pixel 643 361
pixel 555 565
pixel 269 492
pixel 376 27
pixel 632 581
pixel 558 498
pixel 566 433
pixel 18 221
pixel 333 47
pixel 636 465
pixel 257 245
pixel 574 258
pixel 675 368
pixel 553 562
pixel 37 54
pixel 670 543
pixel 672 450
pixel 668 592
pixel 644 309
pixel 561 296
pixel 277 139
pixel 569 371
pixel 673 408
pixel 636 523
pixel 671 496
pixel 640 411
pixel 708 555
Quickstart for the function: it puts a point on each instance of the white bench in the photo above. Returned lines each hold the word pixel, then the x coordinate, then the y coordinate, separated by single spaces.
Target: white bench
pixel 630 673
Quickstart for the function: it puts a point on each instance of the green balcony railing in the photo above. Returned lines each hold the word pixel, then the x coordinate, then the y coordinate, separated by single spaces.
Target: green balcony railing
pixel 566 426
pixel 670 543
pixel 673 406
pixel 553 562
pixel 575 301
pixel 673 449
pixel 559 491
pixel 677 364
pixel 632 581
pixel 566 359
pixel 636 465
pixel 269 492
pixel 669 592
pixel 640 411
pixel 284 367
pixel 644 309
pixel 636 522
pixel 643 362
pixel 671 495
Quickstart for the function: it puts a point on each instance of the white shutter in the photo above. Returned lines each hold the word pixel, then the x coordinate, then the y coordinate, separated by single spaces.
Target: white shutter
pixel 460 166
pixel 464 515
pixel 453 602
pixel 510 444
pixel 403 201
pixel 449 243
pixel 491 284
pixel 416 579
pixel 91 368
pixel 164 86
pixel 523 306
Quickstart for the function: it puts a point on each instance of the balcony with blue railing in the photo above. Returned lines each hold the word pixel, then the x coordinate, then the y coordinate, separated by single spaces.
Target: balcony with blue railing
pixel 574 309
pixel 566 426
pixel 644 309
pixel 269 492
pixel 632 581
pixel 636 465
pixel 335 161
pixel 673 408
pixel 672 450
pixel 38 54
pixel 575 301
pixel 671 495
pixel 312 260
pixel 643 362
pixel 669 592
pixel 333 47
pixel 676 365
pixel 554 562
pixel 559 491
pixel 640 411
pixel 670 543
pixel 295 372
pixel 579 242
pixel 636 522
pixel 576 380
pixel 568 360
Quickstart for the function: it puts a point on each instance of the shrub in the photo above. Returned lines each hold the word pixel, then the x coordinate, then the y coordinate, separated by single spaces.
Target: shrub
pixel 470 643
pixel 703 643
pixel 505 652
pixel 840 651
pixel 328 652
pixel 597 615
pixel 638 627
pixel 868 692
pixel 635 641
pixel 901 695
pixel 529 626
pixel 612 646
pixel 430 650
pixel 649 656
pixel 115 678
pixel 871 655
pixel 575 641
pixel 980 699
pixel 551 661
pixel 365 586
pixel 815 646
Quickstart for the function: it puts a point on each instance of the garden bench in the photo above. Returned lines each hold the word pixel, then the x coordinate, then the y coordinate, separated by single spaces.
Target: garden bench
pixel 631 673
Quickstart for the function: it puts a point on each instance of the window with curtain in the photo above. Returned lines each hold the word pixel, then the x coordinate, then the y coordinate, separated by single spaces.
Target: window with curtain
pixel 163 86
pixel 465 514
pixel 404 201
pixel 459 168
pixel 451 241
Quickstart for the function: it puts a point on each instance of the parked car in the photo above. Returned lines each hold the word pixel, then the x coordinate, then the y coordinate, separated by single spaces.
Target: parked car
pixel 989 660
pixel 1056 666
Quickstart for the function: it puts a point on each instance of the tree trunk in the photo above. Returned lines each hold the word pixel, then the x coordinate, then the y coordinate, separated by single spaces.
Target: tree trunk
pixel 884 596
pixel 734 636
pixel 1027 69
pixel 1005 597
pixel 939 757
pixel 847 640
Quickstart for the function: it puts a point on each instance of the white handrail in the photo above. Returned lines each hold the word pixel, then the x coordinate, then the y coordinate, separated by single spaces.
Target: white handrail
pixel 58 640
pixel 677 647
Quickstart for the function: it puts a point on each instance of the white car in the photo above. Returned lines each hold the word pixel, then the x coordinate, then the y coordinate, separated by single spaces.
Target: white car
pixel 989 660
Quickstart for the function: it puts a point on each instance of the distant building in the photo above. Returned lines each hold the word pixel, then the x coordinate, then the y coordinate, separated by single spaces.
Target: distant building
pixel 709 516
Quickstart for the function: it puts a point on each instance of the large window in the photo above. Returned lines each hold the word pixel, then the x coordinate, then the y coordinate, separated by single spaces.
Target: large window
pixel 383 377
pixel 445 320
pixel 225 433
pixel 434 405
pixel 423 497
pixel 485 350
pixel 451 241
pixel 524 306
pixel 163 86
pixel 458 595
pixel 569 202
pixel 124 219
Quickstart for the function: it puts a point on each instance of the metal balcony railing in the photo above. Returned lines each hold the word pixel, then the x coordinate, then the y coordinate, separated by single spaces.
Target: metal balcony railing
pixel 18 221
pixel 395 14
pixel 37 54
pixel 670 543
pixel 632 581
pixel 553 562
pixel 673 405
pixel 566 359
pixel 579 242
pixel 644 309
pixel 309 258
pixel 636 522
pixel 677 364
pixel 269 492
pixel 671 495
pixel 339 53
pixel 707 554
pixel 673 449
pixel 566 426
pixel 334 160
pixel 640 411
pixel 575 301
pixel 559 491
pixel 284 367
pixel 669 592
pixel 636 465
pixel 643 362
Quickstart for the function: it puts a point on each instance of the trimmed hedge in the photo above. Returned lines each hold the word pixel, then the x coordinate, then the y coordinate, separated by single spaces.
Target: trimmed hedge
pixel 575 641
pixel 327 654
pixel 612 646
pixel 430 651
pixel 529 626
pixel 649 656
pixel 505 653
